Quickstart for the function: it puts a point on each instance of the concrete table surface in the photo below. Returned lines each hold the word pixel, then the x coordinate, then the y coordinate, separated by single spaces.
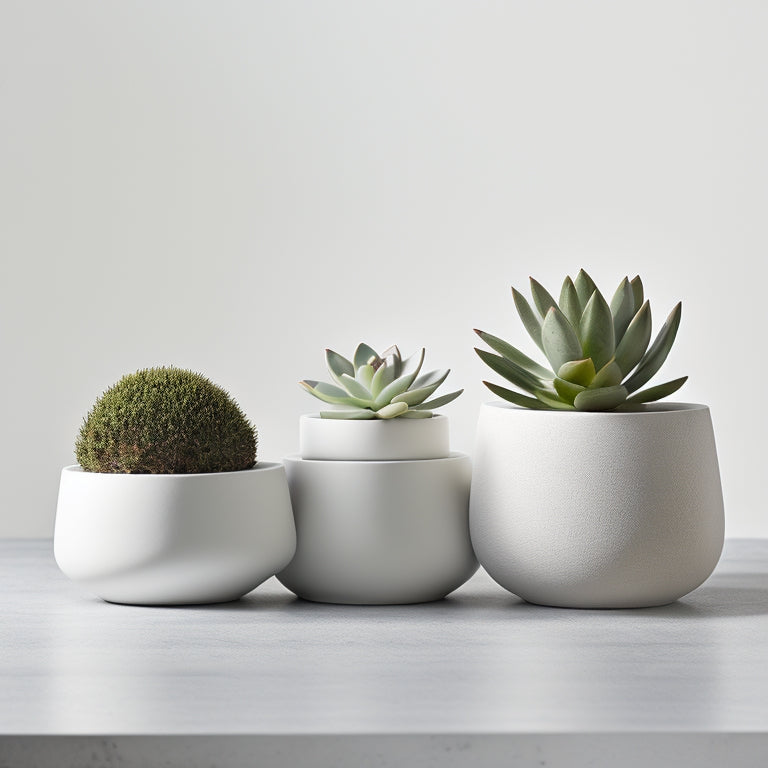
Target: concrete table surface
pixel 478 679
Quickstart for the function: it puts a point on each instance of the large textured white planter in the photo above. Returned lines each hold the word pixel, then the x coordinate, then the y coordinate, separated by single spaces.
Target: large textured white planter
pixel 380 532
pixel 373 439
pixel 597 510
pixel 173 539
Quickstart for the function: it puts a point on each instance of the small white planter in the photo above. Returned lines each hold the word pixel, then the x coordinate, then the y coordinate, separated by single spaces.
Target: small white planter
pixel 380 532
pixel 597 510
pixel 373 439
pixel 173 539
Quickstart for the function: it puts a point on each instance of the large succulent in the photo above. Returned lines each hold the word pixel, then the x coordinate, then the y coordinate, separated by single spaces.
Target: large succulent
pixel 376 386
pixel 592 347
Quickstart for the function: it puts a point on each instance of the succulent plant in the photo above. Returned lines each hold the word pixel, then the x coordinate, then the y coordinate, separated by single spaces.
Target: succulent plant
pixel 165 421
pixel 376 386
pixel 592 347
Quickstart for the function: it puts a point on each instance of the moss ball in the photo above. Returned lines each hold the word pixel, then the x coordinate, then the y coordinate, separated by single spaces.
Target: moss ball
pixel 165 421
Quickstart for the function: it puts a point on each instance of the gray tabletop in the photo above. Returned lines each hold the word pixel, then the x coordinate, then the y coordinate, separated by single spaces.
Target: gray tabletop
pixel 273 680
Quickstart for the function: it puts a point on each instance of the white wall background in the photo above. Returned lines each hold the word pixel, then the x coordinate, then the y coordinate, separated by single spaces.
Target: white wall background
pixel 233 186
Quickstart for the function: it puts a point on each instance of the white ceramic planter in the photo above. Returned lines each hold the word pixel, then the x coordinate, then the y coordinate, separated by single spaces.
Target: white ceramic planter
pixel 597 510
pixel 373 439
pixel 173 539
pixel 380 532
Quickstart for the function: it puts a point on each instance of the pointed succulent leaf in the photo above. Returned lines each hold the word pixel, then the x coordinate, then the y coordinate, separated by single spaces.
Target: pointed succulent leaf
pixel 553 401
pixel 654 358
pixel 393 389
pixel 604 399
pixel 569 303
pixel 394 359
pixel 608 376
pixel 437 402
pixel 392 411
pixel 414 414
pixel 580 372
pixel 385 374
pixel 542 298
pixel 515 397
pixel 585 287
pixel 357 413
pixel 652 394
pixel 329 393
pixel 355 388
pixel 567 389
pixel 337 364
pixel 364 355
pixel 364 374
pixel 631 348
pixel 622 308
pixel 415 396
pixel 432 377
pixel 412 365
pixel 637 290
pixel 510 371
pixel 597 339
pixel 561 344
pixel 515 355
pixel 528 316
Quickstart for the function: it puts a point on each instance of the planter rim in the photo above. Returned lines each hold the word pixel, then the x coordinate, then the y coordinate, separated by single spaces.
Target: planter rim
pixel 648 409
pixel 371 421
pixel 296 458
pixel 265 466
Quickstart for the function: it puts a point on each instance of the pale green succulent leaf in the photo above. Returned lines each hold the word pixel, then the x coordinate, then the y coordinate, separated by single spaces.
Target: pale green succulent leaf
pixel 414 414
pixel 412 365
pixel 622 309
pixel 415 396
pixel 652 394
pixel 580 372
pixel 567 389
pixel 432 377
pixel 553 401
pixel 394 360
pixel 632 347
pixel 333 395
pixel 528 316
pixel 560 342
pixel 357 413
pixel 542 298
pixel 385 375
pixel 585 287
pixel 338 364
pixel 604 399
pixel 364 355
pixel 637 290
pixel 597 339
pixel 654 358
pixel 516 397
pixel 393 389
pixel 355 388
pixel 392 411
pixel 610 375
pixel 569 303
pixel 510 371
pixel 364 374
pixel 515 355
pixel 437 402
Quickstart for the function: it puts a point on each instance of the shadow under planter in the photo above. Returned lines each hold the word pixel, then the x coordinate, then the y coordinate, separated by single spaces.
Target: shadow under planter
pixel 163 539
pixel 380 532
pixel 597 510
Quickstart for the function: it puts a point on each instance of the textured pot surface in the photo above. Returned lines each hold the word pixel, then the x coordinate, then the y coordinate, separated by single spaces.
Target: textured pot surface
pixel 597 510
pixel 373 439
pixel 380 532
pixel 173 539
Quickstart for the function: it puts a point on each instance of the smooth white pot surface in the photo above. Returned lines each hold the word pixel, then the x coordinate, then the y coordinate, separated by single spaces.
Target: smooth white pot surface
pixel 373 439
pixel 173 539
pixel 597 510
pixel 380 532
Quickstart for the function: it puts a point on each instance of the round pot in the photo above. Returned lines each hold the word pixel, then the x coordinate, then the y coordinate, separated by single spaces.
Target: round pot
pixel 380 532
pixel 597 510
pixel 373 439
pixel 173 539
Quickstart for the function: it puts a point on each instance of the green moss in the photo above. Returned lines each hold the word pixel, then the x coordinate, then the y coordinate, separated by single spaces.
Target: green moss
pixel 165 421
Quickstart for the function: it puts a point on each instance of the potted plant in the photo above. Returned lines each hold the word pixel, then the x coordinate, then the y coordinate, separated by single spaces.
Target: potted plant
pixel 586 491
pixel 167 504
pixel 380 502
